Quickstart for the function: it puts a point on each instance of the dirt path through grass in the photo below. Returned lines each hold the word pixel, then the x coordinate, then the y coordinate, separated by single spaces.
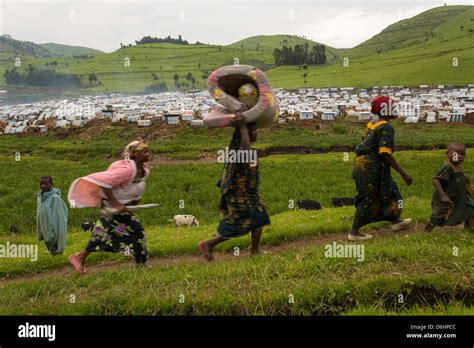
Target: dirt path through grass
pixel 196 258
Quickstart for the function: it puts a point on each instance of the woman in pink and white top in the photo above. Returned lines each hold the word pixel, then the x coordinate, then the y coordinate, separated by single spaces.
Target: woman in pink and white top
pixel 121 184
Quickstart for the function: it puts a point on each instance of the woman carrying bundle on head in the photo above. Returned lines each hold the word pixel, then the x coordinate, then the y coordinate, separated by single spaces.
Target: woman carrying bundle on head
pixel 246 102
pixel 121 185
pixel 241 89
pixel 240 201
pixel 378 197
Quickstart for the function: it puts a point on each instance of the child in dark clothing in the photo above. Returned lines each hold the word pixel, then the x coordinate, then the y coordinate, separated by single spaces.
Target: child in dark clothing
pixel 51 216
pixel 453 199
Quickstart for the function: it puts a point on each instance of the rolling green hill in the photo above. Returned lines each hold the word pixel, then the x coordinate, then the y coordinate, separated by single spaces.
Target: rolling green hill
pixel 415 31
pixel 270 42
pixel 165 60
pixel 9 45
pixel 40 56
pixel 406 53
pixel 418 50
pixel 434 47
pixel 59 50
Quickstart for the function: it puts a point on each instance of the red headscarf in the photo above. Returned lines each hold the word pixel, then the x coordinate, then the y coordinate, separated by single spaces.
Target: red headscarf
pixel 382 106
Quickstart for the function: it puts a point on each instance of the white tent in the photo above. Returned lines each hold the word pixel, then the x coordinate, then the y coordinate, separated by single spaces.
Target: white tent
pixel 197 123
pixel 62 123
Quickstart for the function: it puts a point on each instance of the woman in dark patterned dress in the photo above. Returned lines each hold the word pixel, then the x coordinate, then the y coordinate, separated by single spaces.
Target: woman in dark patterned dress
pixel 378 197
pixel 121 184
pixel 240 202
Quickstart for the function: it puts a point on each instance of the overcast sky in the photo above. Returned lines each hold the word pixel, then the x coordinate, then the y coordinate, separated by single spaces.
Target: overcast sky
pixel 105 24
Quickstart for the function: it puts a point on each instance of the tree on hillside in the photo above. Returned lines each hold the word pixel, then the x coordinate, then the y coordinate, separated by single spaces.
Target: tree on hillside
pixel 12 77
pixel 277 56
pixel 156 88
pixel 92 78
pixel 176 80
pixel 168 39
pixel 37 77
pixel 300 54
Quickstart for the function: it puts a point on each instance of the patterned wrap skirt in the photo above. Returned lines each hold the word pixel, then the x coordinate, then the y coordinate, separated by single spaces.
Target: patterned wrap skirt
pixel 119 233
pixel 241 215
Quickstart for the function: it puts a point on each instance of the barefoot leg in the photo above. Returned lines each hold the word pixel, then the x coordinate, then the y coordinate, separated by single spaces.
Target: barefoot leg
pixel 77 261
pixel 82 256
pixel 206 247
pixel 256 236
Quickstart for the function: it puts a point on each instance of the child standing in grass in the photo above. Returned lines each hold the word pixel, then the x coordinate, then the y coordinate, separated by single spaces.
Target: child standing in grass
pixel 240 202
pixel 453 199
pixel 51 216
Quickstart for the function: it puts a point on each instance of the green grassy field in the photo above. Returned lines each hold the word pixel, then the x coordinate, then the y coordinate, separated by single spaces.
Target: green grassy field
pixel 421 267
pixel 66 158
pixel 101 139
pixel 431 64
pixel 301 281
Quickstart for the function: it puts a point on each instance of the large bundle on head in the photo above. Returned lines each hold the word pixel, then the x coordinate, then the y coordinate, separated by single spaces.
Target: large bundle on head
pixel 241 88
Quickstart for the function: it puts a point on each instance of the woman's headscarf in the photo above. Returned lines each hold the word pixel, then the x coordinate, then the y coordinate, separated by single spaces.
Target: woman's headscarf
pixel 383 106
pixel 135 147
